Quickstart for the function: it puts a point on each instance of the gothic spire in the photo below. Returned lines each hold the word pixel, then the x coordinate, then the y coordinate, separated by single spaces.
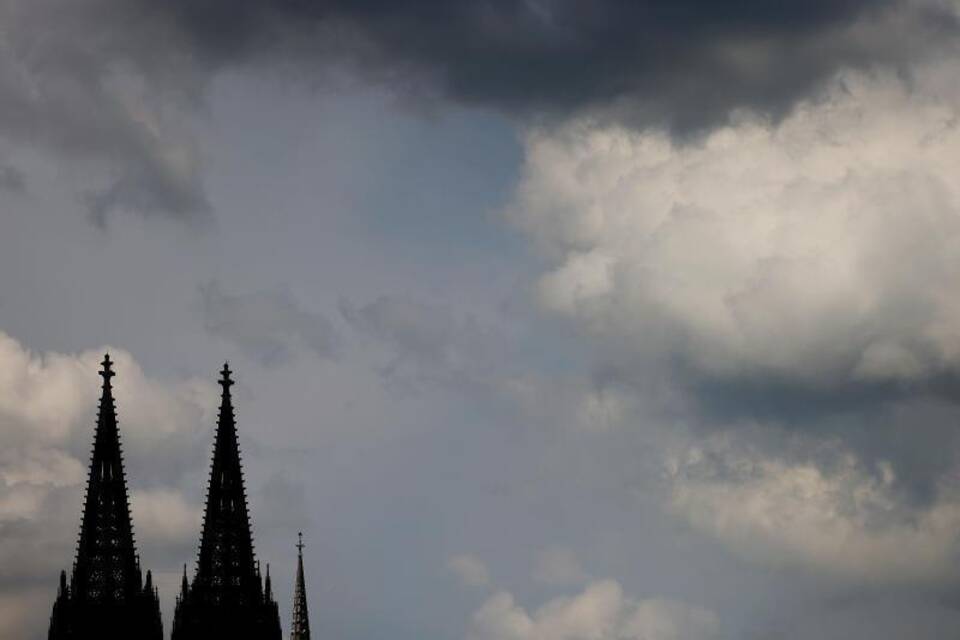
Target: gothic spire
pixel 226 560
pixel 227 597
pixel 106 565
pixel 300 624
pixel 106 572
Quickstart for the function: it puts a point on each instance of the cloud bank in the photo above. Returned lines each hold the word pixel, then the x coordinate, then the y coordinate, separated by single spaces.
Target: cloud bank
pixel 839 518
pixel 821 249
pixel 797 279
pixel 117 87
pixel 600 612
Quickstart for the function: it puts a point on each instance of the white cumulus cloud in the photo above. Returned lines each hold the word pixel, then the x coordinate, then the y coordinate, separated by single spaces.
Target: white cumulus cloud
pixel 600 612
pixel 822 248
pixel 839 518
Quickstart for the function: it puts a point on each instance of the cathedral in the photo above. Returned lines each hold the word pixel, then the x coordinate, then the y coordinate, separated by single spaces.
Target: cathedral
pixel 107 596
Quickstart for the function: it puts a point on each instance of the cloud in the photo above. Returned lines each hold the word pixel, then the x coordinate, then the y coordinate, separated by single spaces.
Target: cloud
pixel 116 87
pixel 270 326
pixel 830 515
pixel 105 85
pixel 791 283
pixel 281 503
pixel 12 180
pixel 47 415
pixel 558 566
pixel 682 63
pixel 163 515
pixel 601 612
pixel 820 251
pixel 430 342
pixel 470 570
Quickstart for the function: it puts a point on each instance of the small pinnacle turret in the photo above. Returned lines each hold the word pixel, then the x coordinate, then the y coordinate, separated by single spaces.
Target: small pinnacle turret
pixel 300 621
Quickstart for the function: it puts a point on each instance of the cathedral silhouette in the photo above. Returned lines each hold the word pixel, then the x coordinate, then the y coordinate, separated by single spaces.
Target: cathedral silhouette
pixel 108 598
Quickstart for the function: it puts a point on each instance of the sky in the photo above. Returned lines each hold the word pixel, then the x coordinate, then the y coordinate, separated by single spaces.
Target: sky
pixel 550 320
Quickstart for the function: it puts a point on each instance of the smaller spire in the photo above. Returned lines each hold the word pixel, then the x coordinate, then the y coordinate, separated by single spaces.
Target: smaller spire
pixel 300 623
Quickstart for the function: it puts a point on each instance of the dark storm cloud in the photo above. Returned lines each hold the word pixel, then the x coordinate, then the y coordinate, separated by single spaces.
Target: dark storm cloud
pixel 684 63
pixel 269 326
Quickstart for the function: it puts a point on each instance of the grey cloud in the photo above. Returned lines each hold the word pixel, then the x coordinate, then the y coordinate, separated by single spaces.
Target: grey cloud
pixel 119 83
pixel 796 278
pixel 105 84
pixel 821 509
pixel 281 504
pixel 684 64
pixel 12 180
pixel 429 342
pixel 150 189
pixel 269 326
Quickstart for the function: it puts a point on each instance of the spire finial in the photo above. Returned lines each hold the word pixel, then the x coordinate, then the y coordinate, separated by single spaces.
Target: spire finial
pixel 107 372
pixel 300 543
pixel 225 381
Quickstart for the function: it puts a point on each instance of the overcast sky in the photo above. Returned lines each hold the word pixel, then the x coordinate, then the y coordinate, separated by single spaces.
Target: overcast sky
pixel 550 320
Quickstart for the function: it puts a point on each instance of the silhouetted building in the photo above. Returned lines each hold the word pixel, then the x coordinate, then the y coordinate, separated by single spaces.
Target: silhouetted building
pixel 106 598
pixel 300 621
pixel 227 598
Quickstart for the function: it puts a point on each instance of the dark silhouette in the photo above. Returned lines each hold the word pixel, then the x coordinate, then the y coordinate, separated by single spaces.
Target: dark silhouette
pixel 300 622
pixel 107 598
pixel 227 599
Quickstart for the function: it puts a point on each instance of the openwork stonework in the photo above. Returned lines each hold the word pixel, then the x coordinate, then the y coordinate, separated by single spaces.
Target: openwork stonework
pixel 107 597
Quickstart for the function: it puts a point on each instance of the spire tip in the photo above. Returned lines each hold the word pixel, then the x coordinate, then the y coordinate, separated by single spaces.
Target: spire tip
pixel 107 371
pixel 225 380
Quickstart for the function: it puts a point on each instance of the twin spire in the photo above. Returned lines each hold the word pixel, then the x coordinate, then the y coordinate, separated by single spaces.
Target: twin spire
pixel 227 598
pixel 107 598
